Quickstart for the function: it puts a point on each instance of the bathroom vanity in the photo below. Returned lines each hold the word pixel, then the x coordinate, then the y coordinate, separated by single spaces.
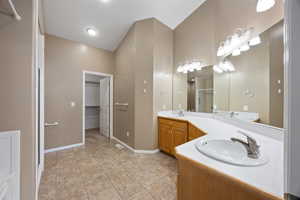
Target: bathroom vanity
pixel 211 178
pixel 174 132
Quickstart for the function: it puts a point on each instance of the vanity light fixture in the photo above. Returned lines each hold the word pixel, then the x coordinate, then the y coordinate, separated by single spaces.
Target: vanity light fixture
pixel 239 42
pixel 190 67
pixel 220 51
pixel 229 66
pixel 245 47
pixel 234 42
pixel 92 32
pixel 217 69
pixel 264 5
pixel 224 66
pixel 236 52
pixel 255 41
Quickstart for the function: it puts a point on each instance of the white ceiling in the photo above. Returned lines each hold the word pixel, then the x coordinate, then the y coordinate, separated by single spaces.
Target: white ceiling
pixel 70 18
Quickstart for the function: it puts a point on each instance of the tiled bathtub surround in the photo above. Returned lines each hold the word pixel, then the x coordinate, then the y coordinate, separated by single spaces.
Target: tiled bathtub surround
pixel 100 171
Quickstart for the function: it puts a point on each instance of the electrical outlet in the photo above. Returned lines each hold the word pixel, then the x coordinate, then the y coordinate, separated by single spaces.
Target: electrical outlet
pixel 127 133
pixel 72 104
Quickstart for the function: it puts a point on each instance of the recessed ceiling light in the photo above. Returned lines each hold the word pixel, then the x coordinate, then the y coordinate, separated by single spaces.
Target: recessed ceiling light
pixel 105 1
pixel 92 32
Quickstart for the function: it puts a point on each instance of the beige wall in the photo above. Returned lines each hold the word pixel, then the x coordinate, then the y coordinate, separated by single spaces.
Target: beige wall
pixel 16 86
pixel 64 62
pixel 143 80
pixel 147 55
pixel 242 14
pixel 276 73
pixel 199 35
pixel 163 70
pixel 194 38
pixel 123 89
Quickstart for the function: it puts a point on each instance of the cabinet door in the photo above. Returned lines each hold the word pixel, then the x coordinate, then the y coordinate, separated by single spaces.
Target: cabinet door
pixel 194 132
pixel 165 137
pixel 179 137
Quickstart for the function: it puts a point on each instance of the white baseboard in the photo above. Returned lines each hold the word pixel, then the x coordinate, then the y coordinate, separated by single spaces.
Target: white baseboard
pixel 147 151
pixel 63 148
pixel 135 150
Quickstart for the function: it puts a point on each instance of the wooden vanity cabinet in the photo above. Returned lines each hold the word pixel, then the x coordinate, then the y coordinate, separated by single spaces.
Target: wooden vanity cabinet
pixel 197 181
pixel 171 134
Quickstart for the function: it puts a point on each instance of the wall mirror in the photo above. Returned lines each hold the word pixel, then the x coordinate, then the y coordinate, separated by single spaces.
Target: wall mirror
pixel 253 90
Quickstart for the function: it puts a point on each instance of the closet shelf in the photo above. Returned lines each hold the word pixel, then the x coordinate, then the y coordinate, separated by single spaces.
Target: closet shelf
pixel 93 82
pixel 14 13
pixel 92 106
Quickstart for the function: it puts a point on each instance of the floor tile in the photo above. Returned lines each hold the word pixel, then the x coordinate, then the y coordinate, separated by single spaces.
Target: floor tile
pixel 100 171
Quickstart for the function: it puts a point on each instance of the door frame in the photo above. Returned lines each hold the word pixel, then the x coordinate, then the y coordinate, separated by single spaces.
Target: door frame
pixel 39 106
pixel 111 86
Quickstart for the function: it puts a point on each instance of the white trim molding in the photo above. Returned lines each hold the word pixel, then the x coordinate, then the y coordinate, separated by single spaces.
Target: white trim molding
pixel 63 148
pixel 135 150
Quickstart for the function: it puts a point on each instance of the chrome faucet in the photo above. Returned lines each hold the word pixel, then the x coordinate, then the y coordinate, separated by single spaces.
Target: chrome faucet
pixel 232 114
pixel 181 113
pixel 251 145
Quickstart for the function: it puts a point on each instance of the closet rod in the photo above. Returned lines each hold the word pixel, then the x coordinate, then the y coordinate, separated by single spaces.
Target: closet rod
pixel 15 13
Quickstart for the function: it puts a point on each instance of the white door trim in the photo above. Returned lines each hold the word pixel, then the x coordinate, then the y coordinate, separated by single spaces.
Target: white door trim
pixel 41 66
pixel 111 85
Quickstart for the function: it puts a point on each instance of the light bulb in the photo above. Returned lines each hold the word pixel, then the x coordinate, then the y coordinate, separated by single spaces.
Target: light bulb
pixel 220 51
pixel 236 52
pixel 255 41
pixel 217 69
pixel 235 40
pixel 180 69
pixel 264 5
pixel 245 47
pixel 91 32
pixel 223 66
pixel 229 66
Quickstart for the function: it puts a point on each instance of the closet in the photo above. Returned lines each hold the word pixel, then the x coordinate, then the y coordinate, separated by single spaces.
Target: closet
pixel 92 102
pixel 97 103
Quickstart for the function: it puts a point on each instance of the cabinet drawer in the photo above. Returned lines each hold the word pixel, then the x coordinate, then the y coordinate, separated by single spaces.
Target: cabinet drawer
pixel 166 121
pixel 180 125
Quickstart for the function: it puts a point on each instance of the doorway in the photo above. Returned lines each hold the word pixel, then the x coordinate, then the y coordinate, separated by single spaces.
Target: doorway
pixel 97 105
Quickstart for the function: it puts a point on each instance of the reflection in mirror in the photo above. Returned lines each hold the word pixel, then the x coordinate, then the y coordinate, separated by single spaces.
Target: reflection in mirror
pixel 254 91
pixel 200 90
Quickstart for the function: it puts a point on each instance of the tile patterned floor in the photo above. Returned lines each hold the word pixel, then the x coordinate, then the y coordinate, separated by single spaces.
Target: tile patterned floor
pixel 100 171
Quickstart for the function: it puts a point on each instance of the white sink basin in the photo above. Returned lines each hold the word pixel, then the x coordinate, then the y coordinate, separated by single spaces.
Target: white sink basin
pixel 229 152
